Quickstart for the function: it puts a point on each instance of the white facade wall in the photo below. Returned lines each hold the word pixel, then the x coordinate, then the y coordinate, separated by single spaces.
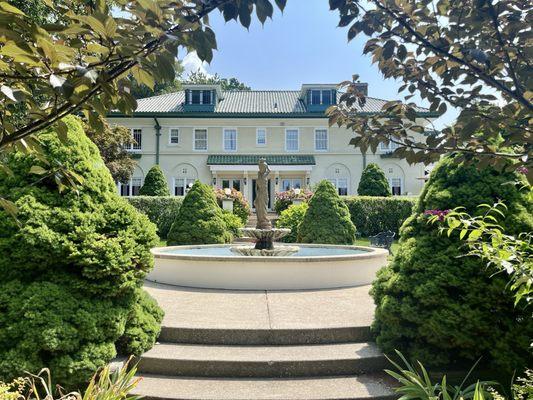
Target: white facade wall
pixel 339 161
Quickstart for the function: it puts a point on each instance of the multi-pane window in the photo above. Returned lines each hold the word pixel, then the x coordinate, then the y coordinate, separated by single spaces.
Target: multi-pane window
pixel 291 140
pixel 200 139
pixel 321 139
pixel 341 184
pixel 232 184
pixel 288 184
pixel 182 186
pixel 261 137
pixel 200 97
pixel 324 97
pixel 131 187
pixel 174 136
pixel 230 139
pixel 396 186
pixel 137 136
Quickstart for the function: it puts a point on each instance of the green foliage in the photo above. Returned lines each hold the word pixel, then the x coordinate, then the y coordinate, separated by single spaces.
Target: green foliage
pixel 485 237
pixel 200 219
pixel 143 325
pixel 200 78
pixel 452 51
pixel 161 210
pixel 415 383
pixel 106 384
pixel 155 183
pixel 233 223
pixel 327 220
pixel 241 208
pixel 440 308
pixel 71 265
pixel 373 182
pixel 291 218
pixel 111 140
pixel 372 215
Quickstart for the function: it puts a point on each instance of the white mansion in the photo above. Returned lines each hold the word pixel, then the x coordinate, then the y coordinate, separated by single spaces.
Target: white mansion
pixel 218 136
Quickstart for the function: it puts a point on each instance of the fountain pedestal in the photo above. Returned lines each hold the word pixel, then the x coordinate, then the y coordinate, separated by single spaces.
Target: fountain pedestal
pixel 264 245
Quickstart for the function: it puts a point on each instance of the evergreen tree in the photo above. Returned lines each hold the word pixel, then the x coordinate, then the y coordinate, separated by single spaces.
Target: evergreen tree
pixel 200 219
pixel 72 265
pixel 373 182
pixel 443 309
pixel 327 220
pixel 155 183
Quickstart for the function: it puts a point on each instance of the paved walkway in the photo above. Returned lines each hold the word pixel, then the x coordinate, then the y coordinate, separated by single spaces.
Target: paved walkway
pixel 232 309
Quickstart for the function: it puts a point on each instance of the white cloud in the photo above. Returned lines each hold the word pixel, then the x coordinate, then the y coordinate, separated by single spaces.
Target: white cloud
pixel 191 63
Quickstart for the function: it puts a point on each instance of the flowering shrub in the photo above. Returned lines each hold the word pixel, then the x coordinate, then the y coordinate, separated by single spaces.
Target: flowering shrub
pixel 241 208
pixel 285 199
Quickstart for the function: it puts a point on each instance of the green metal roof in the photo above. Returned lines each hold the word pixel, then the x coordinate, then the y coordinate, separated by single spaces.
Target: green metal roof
pixel 253 159
pixel 245 104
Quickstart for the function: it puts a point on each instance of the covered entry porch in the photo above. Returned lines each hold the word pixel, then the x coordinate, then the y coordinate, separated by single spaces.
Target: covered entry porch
pixel 240 172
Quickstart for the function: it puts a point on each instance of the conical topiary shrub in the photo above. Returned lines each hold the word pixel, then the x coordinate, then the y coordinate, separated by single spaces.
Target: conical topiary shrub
pixel 155 183
pixel 200 219
pixel 327 220
pixel 443 309
pixel 72 266
pixel 373 182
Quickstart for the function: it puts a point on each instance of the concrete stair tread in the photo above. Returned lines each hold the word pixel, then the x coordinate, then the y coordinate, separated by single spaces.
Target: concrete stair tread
pixel 372 386
pixel 235 353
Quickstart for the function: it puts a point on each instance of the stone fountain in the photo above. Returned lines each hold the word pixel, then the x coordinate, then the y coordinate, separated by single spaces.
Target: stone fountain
pixel 263 233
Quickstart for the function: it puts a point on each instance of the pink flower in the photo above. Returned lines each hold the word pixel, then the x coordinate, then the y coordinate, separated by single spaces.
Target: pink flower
pixel 522 170
pixel 441 214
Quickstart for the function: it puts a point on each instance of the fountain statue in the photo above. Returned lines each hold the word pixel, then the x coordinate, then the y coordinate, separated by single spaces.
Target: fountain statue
pixel 263 233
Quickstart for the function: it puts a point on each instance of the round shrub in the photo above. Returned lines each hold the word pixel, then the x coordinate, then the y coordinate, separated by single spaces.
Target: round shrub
pixel 155 183
pixel 373 182
pixel 200 219
pixel 327 220
pixel 443 309
pixel 291 218
pixel 71 264
pixel 241 208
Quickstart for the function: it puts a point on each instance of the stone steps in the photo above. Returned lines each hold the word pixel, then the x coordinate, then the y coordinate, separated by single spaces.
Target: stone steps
pixel 262 361
pixel 362 387
pixel 225 336
pixel 238 345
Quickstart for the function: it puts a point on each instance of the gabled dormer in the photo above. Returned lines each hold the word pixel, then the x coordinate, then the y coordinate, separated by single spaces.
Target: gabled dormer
pixel 201 97
pixel 318 97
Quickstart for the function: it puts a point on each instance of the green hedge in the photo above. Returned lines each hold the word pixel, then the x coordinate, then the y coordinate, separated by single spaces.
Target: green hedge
pixel 372 215
pixel 369 214
pixel 161 210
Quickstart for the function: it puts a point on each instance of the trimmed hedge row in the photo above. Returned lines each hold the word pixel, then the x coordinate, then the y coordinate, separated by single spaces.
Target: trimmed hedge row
pixel 372 215
pixel 369 214
pixel 161 210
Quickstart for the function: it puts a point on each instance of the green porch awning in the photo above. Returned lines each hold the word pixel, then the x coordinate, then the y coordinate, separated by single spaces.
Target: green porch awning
pixel 252 159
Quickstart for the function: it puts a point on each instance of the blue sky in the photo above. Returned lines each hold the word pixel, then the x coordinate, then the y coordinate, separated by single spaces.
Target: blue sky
pixel 302 45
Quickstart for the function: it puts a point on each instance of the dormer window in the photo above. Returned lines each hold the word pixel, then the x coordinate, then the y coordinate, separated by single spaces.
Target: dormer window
pixel 320 97
pixel 199 97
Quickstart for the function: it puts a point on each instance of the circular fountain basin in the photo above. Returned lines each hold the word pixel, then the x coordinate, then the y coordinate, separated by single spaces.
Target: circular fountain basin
pixel 314 266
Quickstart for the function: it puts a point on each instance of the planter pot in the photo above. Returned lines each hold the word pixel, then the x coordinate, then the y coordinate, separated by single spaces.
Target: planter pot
pixel 227 204
pixel 297 202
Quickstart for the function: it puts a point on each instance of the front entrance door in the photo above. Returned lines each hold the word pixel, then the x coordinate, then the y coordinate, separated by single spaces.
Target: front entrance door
pixel 270 205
